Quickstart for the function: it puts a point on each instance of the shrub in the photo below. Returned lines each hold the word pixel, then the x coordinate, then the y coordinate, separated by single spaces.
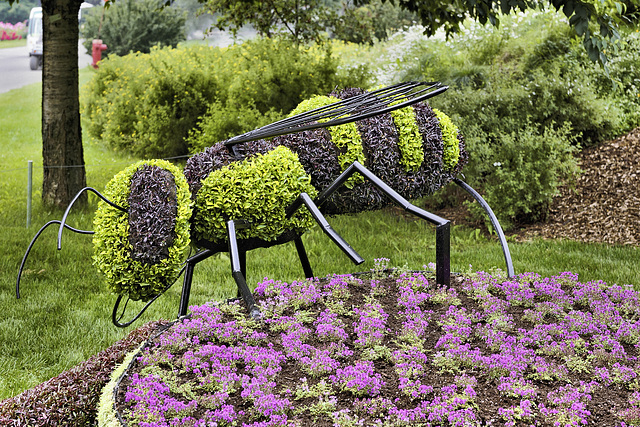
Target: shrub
pixel 115 257
pixel 526 80
pixel 149 104
pixel 520 172
pixel 72 397
pixel 134 26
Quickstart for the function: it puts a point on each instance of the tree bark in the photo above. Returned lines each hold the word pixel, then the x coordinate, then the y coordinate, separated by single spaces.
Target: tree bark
pixel 62 153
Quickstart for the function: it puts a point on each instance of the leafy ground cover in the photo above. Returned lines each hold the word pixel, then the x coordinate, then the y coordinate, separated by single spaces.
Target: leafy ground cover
pixel 393 349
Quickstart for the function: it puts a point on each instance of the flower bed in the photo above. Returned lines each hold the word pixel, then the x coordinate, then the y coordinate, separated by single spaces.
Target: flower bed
pixel 13 31
pixel 395 350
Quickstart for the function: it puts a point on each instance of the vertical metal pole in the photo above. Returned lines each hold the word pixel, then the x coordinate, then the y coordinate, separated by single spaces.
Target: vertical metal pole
pixel 443 254
pixel 29 190
pixel 304 259
pixel 186 289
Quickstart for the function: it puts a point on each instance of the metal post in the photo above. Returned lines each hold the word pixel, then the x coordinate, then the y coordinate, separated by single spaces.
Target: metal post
pixel 29 190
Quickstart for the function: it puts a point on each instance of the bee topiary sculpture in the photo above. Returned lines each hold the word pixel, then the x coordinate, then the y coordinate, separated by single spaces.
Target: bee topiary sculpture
pixel 348 152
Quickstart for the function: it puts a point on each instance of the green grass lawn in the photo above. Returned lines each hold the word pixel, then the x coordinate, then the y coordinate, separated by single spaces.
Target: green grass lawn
pixel 64 315
pixel 13 43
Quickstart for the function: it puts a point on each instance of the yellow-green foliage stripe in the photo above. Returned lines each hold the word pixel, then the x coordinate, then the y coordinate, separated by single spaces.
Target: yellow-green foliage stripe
pixel 409 138
pixel 258 189
pixel 450 140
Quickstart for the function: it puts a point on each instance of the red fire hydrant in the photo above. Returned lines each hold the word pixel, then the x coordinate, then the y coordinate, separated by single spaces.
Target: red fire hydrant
pixel 96 51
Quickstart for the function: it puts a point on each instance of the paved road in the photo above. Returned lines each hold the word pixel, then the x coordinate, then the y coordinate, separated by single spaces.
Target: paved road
pixel 15 72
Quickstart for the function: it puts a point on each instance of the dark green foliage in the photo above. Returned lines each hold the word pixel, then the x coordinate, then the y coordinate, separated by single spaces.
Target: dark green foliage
pixel 257 189
pixel 71 398
pixel 621 80
pixel 525 87
pixel 134 26
pixel 520 174
pixel 149 104
pixel 375 20
pixel 18 12
pixel 128 273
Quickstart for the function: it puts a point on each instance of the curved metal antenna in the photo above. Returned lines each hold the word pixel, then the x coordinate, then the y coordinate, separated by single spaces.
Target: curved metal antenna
pixel 494 223
pixel 33 241
pixel 116 319
pixel 66 213
pixel 356 108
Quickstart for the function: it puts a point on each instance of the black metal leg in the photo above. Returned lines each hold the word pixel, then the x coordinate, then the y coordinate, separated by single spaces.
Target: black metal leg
pixel 188 278
pixel 494 223
pixel 242 258
pixel 236 267
pixel 304 259
pixel 326 227
pixel 443 257
pixel 443 253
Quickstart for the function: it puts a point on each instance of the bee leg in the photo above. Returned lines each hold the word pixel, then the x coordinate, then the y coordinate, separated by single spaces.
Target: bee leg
pixel 443 226
pixel 238 266
pixel 304 259
pixel 494 223
pixel 305 199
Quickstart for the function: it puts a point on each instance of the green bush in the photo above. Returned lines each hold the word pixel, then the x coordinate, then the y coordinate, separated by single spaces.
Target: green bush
pixel 113 250
pixel 528 80
pixel 160 104
pixel 621 80
pixel 134 26
pixel 258 189
pixel 222 122
pixel 520 172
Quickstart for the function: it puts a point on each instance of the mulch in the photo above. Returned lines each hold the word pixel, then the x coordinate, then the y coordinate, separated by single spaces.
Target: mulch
pixel 604 204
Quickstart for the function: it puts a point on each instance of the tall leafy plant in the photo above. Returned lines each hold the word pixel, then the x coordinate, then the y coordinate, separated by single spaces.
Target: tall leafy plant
pixel 134 26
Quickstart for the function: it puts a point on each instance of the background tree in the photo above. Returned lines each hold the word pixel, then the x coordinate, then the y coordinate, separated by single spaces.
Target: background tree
pixel 17 12
pixel 134 26
pixel 595 21
pixel 299 20
pixel 62 153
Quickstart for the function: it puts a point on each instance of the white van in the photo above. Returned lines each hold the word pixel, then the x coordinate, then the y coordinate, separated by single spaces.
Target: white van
pixel 34 36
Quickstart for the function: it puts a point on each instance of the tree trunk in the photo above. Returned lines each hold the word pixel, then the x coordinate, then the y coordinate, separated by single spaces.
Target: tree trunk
pixel 62 154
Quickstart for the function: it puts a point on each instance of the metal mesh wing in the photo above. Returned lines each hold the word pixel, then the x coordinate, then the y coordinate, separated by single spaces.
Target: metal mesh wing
pixel 349 110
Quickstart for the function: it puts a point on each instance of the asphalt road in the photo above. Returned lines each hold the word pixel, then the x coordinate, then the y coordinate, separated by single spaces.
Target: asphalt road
pixel 14 67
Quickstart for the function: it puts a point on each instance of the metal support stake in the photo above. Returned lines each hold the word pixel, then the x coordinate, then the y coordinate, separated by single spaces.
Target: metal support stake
pixel 443 256
pixel 29 190
pixel 188 278
pixel 304 259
